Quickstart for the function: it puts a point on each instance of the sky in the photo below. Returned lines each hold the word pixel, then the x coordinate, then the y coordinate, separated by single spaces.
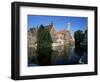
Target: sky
pixel 59 22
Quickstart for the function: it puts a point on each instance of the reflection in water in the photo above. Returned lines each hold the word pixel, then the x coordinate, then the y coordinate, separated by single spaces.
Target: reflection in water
pixel 44 56
pixel 60 55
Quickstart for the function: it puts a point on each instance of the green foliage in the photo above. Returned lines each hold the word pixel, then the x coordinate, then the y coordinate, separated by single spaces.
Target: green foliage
pixel 79 36
pixel 80 42
pixel 43 37
pixel 44 46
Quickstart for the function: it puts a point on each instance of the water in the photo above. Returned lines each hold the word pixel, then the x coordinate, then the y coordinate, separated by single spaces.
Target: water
pixel 60 55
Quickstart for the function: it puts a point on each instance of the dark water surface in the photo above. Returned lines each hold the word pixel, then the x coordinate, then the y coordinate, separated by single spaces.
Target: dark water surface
pixel 60 55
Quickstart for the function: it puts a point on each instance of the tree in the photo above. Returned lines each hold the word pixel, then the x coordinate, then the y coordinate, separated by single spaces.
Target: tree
pixel 79 36
pixel 43 37
pixel 80 42
pixel 44 46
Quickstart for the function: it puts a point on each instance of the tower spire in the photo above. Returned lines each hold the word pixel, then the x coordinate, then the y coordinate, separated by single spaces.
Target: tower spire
pixel 69 26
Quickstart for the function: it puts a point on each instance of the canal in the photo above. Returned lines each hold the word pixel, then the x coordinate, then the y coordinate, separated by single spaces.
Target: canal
pixel 60 55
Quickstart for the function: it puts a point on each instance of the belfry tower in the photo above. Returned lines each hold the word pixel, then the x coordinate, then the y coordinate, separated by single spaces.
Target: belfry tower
pixel 69 26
